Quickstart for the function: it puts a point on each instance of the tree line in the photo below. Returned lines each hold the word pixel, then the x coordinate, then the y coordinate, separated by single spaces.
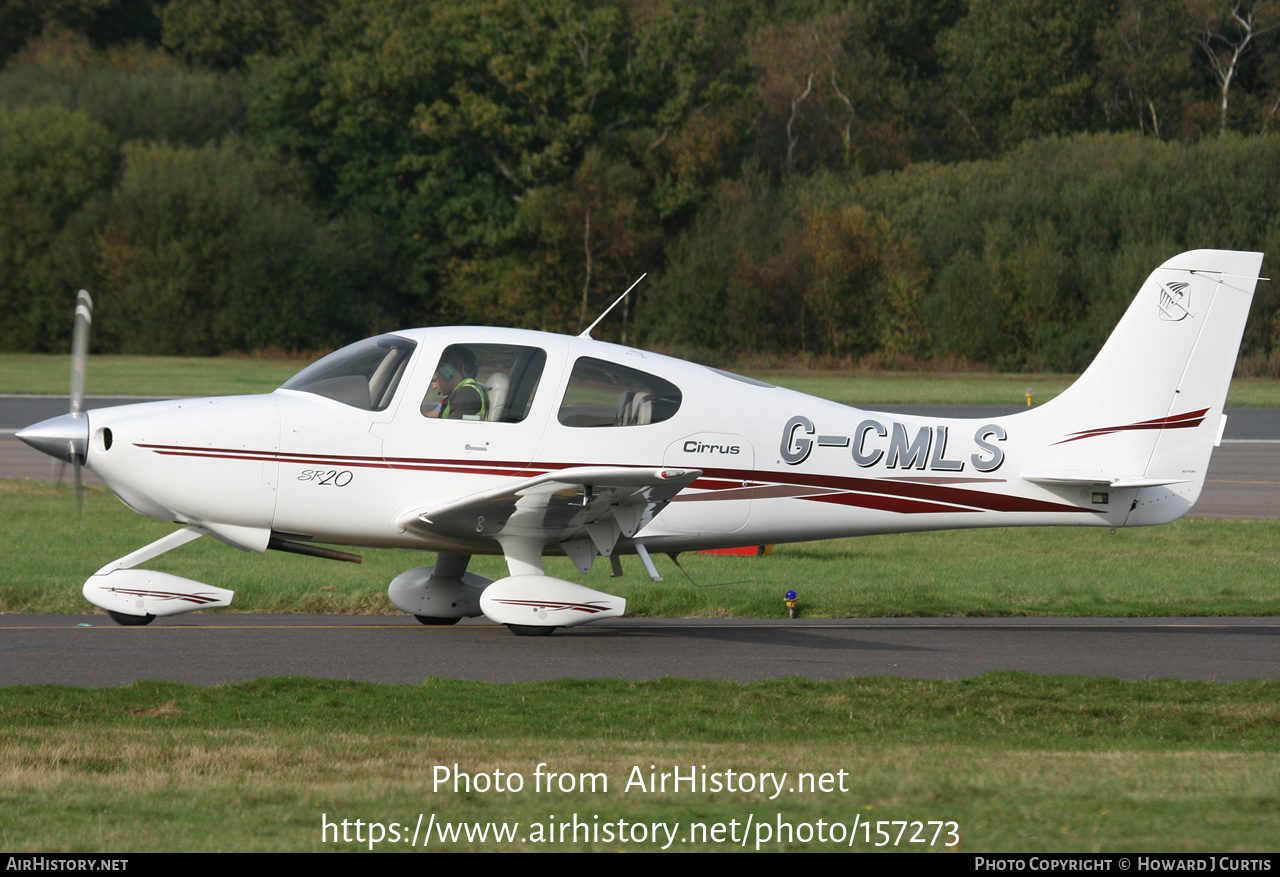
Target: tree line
pixel 903 184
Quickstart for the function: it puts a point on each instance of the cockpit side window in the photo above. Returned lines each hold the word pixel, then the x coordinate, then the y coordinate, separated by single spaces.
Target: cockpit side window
pixel 363 375
pixel 603 393
pixel 493 382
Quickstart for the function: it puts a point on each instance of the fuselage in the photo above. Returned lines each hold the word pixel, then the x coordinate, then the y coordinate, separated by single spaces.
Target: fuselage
pixel 330 460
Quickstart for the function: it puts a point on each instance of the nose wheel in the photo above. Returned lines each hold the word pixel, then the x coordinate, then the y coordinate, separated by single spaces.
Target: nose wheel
pixel 531 629
pixel 432 621
pixel 130 620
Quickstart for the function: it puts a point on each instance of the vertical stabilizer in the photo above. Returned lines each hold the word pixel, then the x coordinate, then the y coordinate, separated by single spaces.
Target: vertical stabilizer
pixel 1149 407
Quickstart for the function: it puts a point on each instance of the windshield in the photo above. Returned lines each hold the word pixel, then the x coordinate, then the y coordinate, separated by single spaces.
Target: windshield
pixel 364 375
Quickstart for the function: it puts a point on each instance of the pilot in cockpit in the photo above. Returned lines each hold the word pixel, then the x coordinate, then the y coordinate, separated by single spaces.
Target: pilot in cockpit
pixel 461 395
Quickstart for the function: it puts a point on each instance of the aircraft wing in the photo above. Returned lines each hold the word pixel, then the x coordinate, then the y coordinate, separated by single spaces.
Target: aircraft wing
pixel 600 503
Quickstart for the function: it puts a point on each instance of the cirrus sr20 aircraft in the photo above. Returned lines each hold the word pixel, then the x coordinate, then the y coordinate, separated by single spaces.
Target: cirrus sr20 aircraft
pixel 549 444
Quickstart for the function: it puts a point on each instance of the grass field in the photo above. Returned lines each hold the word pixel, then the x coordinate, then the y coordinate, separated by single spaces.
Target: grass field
pixel 1016 762
pixel 147 375
pixel 177 376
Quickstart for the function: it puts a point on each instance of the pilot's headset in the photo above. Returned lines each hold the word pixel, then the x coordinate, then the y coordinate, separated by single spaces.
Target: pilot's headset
pixel 456 358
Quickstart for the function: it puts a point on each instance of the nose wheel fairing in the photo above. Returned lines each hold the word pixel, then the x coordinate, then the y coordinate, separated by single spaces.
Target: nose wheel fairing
pixel 143 593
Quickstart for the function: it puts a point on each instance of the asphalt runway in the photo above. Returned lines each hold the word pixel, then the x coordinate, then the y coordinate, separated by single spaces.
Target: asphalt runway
pixel 212 649
pixel 206 649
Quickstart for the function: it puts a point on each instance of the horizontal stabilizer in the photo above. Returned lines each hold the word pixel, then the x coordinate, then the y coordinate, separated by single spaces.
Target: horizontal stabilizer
pixel 1083 476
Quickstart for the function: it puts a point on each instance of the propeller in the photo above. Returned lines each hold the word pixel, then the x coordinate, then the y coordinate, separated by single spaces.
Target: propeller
pixel 79 356
pixel 80 348
pixel 66 437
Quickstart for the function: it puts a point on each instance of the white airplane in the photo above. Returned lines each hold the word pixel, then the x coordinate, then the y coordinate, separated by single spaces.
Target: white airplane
pixel 550 444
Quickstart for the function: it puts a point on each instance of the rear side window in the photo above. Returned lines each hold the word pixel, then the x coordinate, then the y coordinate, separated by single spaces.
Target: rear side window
pixel 603 393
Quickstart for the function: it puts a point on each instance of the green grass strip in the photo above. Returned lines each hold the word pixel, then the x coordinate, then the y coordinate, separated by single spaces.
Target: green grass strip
pixel 1018 762
pixel 49 374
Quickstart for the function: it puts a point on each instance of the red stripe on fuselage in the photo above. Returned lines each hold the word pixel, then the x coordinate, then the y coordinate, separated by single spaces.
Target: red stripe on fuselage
pixel 912 497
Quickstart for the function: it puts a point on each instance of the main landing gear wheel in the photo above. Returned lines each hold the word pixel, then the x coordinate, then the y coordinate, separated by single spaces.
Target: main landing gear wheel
pixel 130 620
pixel 531 629
pixel 436 622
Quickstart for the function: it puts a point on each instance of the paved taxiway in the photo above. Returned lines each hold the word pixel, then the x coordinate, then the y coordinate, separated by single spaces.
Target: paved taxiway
pixel 210 649
pixel 1243 480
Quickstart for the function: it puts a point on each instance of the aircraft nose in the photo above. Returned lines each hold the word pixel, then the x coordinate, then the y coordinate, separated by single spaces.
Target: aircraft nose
pixel 65 437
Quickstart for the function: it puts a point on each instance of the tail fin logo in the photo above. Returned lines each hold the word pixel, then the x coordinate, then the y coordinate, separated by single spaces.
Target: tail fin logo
pixel 1175 302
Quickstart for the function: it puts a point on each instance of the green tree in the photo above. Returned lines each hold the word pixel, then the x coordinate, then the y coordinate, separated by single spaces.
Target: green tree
pixel 137 93
pixel 1145 69
pixel 52 161
pixel 205 251
pixel 442 120
pixel 1020 69
pixel 798 269
pixel 687 103
pixel 438 119
pixel 105 22
pixel 1227 34
pixel 702 301
pixel 225 34
pixel 584 241
pixel 830 96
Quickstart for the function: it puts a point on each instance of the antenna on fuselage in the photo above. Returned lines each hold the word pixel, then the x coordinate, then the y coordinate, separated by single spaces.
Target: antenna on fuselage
pixel 675 558
pixel 586 333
